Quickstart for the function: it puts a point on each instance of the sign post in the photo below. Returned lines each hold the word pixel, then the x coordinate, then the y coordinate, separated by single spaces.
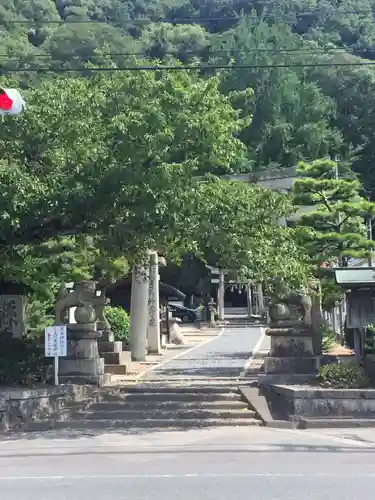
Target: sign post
pixel 56 345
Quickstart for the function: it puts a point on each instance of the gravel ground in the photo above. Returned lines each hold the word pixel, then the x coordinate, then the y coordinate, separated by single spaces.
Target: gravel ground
pixel 223 356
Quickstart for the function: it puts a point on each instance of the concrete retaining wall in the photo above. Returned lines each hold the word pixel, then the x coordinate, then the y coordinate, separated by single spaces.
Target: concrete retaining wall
pixel 313 402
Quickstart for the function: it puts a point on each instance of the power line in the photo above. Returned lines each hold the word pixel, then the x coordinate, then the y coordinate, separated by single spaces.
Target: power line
pixel 186 67
pixel 184 20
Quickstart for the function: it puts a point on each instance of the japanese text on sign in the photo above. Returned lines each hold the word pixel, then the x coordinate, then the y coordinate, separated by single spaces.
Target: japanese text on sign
pixel 55 341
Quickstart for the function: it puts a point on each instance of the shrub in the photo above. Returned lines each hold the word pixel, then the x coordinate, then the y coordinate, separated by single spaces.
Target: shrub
pixel 119 320
pixel 22 361
pixel 343 375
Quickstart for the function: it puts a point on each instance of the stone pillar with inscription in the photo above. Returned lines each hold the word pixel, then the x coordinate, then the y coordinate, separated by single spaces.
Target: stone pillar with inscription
pixel 291 359
pixel 139 311
pixel 221 296
pixel 153 327
pixel 13 315
pixel 83 364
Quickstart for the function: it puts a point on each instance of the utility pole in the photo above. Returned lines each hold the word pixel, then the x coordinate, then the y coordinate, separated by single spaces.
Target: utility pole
pixel 337 159
pixel 337 177
pixel 341 312
pixel 369 236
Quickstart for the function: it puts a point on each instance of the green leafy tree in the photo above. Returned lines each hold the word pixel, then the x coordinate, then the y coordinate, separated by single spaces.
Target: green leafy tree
pixel 45 266
pixel 111 155
pixel 117 158
pixel 252 241
pixel 354 111
pixel 184 42
pixel 106 167
pixel 292 118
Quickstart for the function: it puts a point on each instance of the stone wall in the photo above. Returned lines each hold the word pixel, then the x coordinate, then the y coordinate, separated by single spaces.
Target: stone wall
pixel 313 402
pixel 24 409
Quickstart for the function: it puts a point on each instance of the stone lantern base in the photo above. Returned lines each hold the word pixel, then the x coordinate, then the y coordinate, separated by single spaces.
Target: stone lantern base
pixel 291 359
pixel 83 364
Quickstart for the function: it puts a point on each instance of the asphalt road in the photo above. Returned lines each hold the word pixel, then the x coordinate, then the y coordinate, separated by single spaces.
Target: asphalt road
pixel 224 356
pixel 218 464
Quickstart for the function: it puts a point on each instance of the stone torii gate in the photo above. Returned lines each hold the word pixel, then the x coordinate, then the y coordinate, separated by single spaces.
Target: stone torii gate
pixel 253 291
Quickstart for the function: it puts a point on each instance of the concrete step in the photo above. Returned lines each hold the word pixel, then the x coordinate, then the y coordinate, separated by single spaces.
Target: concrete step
pixel 167 405
pixel 334 422
pixel 154 423
pixel 240 325
pixel 115 369
pixel 109 347
pixel 146 397
pixel 182 414
pixel 116 358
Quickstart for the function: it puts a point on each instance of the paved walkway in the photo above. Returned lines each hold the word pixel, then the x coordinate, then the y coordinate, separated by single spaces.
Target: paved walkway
pixel 224 356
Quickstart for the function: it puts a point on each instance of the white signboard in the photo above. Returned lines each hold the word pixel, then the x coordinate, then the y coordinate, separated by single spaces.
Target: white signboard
pixel 352 276
pixel 55 341
pixel 56 345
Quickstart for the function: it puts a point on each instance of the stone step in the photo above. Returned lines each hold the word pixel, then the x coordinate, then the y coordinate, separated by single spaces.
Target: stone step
pixel 162 388
pixel 109 347
pixel 167 405
pixel 152 423
pixel 115 369
pixel 184 414
pixel 176 396
pixel 116 358
pixel 65 414
pixel 68 408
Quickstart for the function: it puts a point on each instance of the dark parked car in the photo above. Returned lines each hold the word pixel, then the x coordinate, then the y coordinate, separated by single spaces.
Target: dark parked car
pixel 185 314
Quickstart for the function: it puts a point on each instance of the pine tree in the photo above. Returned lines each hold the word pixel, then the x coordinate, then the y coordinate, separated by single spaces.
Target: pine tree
pixel 335 230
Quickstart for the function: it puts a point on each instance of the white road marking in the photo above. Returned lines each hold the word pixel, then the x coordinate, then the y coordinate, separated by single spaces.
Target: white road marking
pixel 185 476
pixel 254 352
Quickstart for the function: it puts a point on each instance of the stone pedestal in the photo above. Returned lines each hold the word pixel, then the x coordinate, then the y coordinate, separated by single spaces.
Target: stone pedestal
pixel 83 364
pixel 212 312
pixel 291 358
